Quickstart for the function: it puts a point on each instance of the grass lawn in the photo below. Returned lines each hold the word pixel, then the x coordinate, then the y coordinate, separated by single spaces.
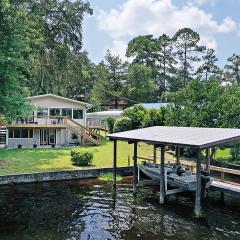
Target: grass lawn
pixel 15 161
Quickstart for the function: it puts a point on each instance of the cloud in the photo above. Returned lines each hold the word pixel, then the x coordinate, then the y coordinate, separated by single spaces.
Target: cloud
pixel 202 2
pixel 138 17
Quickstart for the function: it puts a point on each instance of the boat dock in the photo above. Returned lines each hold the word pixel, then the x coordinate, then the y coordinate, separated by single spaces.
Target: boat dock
pixel 202 140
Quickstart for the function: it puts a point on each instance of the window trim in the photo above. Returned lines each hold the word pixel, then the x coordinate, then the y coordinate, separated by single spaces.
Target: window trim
pixel 13 133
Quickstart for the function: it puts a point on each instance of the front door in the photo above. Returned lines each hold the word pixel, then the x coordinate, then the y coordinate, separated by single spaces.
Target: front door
pixel 43 136
pixel 47 136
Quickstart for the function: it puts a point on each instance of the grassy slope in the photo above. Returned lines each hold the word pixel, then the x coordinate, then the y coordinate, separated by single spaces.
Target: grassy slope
pixel 40 160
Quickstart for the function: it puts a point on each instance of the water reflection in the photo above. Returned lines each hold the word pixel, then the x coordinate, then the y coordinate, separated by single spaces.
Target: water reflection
pixel 93 210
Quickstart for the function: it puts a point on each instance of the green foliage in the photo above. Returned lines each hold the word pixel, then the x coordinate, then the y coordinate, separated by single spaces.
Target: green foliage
pixel 122 124
pixel 13 61
pixel 81 158
pixel 140 85
pixel 235 152
pixel 233 69
pixel 110 124
pixel 108 177
pixel 138 114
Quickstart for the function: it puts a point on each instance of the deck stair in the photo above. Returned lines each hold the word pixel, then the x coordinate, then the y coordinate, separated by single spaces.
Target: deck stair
pixel 83 131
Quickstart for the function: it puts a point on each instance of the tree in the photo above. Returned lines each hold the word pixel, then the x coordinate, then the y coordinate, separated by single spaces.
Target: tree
pixel 110 79
pixel 186 43
pixel 140 85
pixel 14 54
pixel 233 68
pixel 55 33
pixel 209 66
pixel 166 62
pixel 142 50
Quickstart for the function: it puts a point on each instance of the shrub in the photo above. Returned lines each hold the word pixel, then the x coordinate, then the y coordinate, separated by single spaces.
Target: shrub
pixel 235 152
pixel 123 124
pixel 81 158
pixel 139 116
pixel 110 122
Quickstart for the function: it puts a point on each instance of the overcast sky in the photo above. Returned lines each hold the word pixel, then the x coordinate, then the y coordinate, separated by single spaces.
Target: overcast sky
pixel 115 22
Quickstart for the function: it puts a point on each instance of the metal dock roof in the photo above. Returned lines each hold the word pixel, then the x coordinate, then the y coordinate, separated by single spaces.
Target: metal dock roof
pixel 180 136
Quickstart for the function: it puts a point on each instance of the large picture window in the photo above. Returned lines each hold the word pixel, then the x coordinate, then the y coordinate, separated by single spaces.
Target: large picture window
pixel 67 112
pixel 77 114
pixel 42 112
pixel 54 112
pixel 20 133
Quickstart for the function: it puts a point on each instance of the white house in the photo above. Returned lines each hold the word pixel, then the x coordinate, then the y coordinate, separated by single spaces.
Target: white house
pixel 55 121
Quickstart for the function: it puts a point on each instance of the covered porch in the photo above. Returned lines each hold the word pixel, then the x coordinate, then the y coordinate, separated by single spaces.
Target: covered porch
pixel 200 139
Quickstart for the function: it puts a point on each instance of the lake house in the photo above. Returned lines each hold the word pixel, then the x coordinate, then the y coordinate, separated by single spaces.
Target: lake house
pixel 55 121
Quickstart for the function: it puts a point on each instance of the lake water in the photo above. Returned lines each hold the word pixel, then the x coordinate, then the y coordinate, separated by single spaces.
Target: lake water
pixel 88 210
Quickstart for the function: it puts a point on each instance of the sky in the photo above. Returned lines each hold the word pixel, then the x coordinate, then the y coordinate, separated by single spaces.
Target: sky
pixel 115 22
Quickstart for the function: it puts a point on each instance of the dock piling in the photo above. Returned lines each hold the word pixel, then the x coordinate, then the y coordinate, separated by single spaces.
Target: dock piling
pixel 162 176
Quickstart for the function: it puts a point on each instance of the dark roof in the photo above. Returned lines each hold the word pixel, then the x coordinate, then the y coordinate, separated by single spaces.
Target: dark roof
pixel 180 136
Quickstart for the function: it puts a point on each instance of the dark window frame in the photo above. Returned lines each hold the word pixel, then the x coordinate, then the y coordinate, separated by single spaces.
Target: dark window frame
pixel 74 116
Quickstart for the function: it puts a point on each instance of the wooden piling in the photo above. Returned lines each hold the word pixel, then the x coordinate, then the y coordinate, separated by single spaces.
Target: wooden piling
pixel 197 209
pixel 135 174
pixel 207 160
pixel 154 153
pixel 178 155
pixel 162 176
pixel 114 162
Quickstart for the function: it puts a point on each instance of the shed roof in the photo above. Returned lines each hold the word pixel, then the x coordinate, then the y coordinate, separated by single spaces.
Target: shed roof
pixel 105 114
pixel 180 136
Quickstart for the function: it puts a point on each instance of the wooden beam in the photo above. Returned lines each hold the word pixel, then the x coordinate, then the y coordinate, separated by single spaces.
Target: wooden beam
pixel 162 176
pixel 135 168
pixel 114 162
pixel 198 209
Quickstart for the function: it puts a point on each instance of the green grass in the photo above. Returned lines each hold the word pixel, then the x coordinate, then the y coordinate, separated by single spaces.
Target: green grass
pixel 108 177
pixel 224 154
pixel 16 161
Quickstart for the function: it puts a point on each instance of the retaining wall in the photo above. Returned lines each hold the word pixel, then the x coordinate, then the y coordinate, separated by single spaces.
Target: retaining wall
pixel 61 175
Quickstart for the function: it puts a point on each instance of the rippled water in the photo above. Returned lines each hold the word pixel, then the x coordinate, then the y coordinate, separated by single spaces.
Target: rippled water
pixel 88 210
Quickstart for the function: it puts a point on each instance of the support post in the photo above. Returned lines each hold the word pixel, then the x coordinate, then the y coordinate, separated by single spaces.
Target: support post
pixel 162 176
pixel 114 162
pixel 154 153
pixel 135 168
pixel 197 209
pixel 207 160
pixel 178 155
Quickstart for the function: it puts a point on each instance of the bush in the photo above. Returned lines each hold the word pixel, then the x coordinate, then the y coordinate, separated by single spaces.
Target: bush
pixel 110 122
pixel 139 116
pixel 235 152
pixel 122 124
pixel 81 158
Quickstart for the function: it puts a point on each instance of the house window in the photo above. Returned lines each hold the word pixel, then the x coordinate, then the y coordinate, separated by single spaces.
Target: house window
pixel 24 133
pixel 30 132
pixel 10 133
pixel 67 112
pixel 54 112
pixel 17 133
pixel 77 113
pixel 20 133
pixel 42 112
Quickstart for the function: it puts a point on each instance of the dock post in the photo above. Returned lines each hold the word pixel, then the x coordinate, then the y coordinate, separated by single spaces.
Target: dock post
pixel 154 153
pixel 207 160
pixel 135 168
pixel 114 162
pixel 162 176
pixel 178 155
pixel 197 209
